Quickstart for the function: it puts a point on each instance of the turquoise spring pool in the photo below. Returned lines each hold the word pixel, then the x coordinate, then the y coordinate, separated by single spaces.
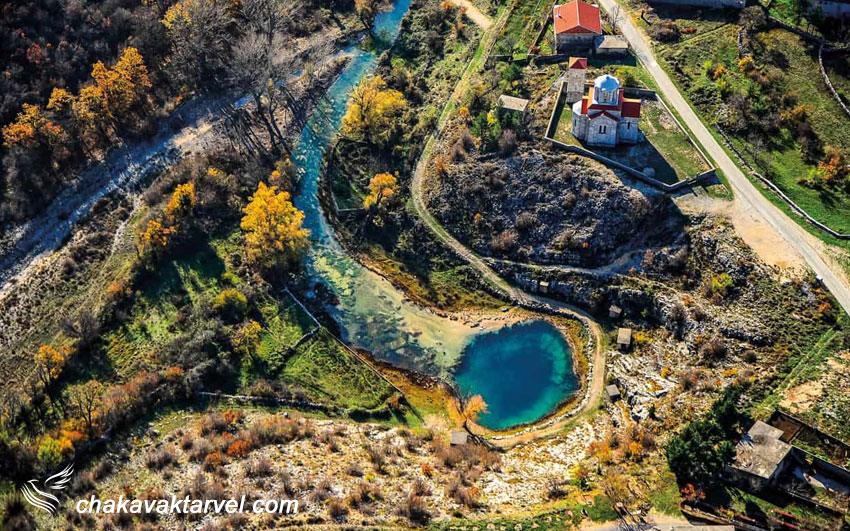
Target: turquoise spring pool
pixel 522 371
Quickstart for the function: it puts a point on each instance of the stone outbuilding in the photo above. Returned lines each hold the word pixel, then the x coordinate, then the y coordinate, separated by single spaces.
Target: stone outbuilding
pixel 611 46
pixel 458 438
pixel 624 338
pixel 612 392
pixel 715 4
pixel 761 456
pixel 513 104
pixel 614 311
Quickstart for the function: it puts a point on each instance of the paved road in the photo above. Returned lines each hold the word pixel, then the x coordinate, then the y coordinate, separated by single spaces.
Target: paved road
pixel 748 197
pixel 508 291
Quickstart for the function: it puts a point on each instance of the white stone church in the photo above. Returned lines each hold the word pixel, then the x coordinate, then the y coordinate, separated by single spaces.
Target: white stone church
pixel 603 116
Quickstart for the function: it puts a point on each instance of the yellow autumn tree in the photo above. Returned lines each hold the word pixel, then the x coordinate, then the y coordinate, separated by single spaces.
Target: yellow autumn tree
pixel 90 111
pixel 31 128
pixel 49 363
pixel 247 338
pixel 60 99
pixel 176 15
pixel 371 111
pixel 382 186
pixel 154 239
pixel 124 84
pixel 273 228
pixel 182 202
pixel 474 407
pixel 366 10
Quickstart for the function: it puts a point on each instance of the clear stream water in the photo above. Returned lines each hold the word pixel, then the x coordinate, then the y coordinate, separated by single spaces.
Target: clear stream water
pixel 374 315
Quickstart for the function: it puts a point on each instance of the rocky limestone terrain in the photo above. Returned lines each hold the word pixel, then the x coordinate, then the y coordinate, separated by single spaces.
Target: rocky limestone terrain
pixel 340 472
pixel 549 209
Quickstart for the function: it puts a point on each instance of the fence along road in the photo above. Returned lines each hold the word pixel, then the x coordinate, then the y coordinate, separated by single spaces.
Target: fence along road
pixel 748 197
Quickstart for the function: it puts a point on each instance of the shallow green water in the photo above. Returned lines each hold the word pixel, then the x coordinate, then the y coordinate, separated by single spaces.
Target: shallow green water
pixel 522 371
pixel 372 314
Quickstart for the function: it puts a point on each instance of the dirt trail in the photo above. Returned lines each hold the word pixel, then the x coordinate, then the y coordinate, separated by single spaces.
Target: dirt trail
pixel 474 14
pixel 508 291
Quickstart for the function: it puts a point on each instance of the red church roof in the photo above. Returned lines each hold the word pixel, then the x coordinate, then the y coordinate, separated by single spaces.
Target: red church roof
pixel 579 63
pixel 577 17
pixel 631 108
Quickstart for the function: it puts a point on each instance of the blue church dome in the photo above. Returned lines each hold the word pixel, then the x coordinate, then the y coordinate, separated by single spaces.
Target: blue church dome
pixel 606 83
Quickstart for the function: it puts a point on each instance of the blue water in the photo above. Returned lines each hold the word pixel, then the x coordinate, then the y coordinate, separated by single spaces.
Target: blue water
pixel 373 315
pixel 522 371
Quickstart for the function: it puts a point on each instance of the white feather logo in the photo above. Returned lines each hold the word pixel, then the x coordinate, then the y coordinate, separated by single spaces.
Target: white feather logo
pixel 42 497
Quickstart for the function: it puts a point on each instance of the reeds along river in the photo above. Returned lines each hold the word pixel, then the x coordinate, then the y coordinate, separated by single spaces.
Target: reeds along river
pixel 372 313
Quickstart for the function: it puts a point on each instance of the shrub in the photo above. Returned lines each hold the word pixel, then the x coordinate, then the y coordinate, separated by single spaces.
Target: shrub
pixel 239 448
pixel 277 430
pixel 458 153
pixel 420 488
pixel 504 242
pixel 212 462
pixel 720 285
pixel 525 221
pixel 232 304
pixel 160 458
pixel 466 140
pixel 354 470
pixel 665 31
pixel 714 349
pixel 377 457
pixel 337 509
pixel 212 423
pixel 466 496
pixel 260 467
pixel 15 515
pixel 364 494
pixel 507 143
pixel 200 449
pixel 414 509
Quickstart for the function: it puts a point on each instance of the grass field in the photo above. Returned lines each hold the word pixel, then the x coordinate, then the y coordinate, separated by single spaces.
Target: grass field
pixel 522 27
pixel 780 159
pixel 325 369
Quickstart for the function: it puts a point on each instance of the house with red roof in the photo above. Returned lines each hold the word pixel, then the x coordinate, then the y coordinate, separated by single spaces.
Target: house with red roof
pixel 605 116
pixel 577 25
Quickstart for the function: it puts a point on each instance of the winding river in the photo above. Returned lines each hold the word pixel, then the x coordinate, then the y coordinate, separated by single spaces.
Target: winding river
pixel 374 315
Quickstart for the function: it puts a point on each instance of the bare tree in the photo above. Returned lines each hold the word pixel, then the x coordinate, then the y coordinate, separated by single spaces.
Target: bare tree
pixel 270 17
pixel 200 39
pixel 266 67
pixel 614 18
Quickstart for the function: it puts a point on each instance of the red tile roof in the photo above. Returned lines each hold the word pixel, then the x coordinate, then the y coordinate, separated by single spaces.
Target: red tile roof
pixel 631 108
pixel 577 17
pixel 603 113
pixel 578 63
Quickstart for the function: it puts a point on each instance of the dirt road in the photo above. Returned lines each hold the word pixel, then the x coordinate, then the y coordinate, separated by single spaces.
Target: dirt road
pixel 749 199
pixel 474 14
